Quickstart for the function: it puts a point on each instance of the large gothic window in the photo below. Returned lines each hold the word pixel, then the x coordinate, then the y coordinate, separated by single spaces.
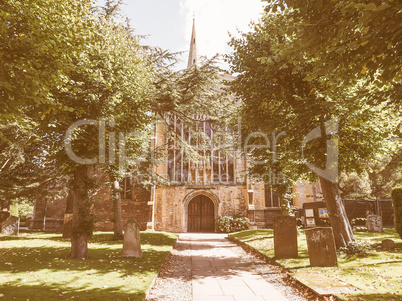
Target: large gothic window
pixel 212 165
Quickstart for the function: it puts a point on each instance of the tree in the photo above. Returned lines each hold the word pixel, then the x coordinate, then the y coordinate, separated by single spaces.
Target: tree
pixel 39 39
pixel 397 204
pixel 317 125
pixel 385 174
pixel 355 186
pixel 89 102
pixel 359 39
pixel 376 182
pixel 100 115
pixel 102 98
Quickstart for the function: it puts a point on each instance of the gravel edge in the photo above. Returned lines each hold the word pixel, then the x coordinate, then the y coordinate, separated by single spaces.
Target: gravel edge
pixel 286 281
pixel 173 281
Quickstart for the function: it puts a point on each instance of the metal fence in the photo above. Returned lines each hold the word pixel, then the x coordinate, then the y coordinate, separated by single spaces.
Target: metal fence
pixel 356 209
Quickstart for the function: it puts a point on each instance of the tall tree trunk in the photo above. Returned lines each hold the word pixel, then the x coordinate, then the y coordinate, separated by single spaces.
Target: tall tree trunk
pixel 337 214
pixel 118 218
pixel 82 218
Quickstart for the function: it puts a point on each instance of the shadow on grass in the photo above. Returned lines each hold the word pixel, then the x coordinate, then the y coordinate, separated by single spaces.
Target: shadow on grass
pixel 39 292
pixel 258 238
pixel 388 233
pixel 104 255
pixel 147 238
pixel 253 234
pixel 150 238
pixel 19 237
pixel 41 270
pixel 100 261
pixel 376 297
pixel 294 268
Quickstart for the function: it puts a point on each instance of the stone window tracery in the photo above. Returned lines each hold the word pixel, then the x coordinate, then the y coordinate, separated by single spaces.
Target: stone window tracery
pixel 212 165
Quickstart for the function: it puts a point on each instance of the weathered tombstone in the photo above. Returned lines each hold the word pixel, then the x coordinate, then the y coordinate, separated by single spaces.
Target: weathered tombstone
pixel 388 244
pixel 285 237
pixel 321 247
pixel 131 240
pixel 68 225
pixel 28 220
pixel 10 226
pixel 374 223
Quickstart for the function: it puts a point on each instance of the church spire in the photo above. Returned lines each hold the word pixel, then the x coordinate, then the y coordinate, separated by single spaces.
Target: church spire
pixel 192 56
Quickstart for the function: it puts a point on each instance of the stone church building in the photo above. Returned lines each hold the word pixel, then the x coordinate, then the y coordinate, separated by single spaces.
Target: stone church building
pixel 202 191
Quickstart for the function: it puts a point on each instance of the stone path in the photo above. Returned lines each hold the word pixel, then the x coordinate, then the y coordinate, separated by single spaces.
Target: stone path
pixel 210 267
pixel 219 273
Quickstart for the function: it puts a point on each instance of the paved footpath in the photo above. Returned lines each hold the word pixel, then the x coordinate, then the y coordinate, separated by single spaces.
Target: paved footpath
pixel 219 273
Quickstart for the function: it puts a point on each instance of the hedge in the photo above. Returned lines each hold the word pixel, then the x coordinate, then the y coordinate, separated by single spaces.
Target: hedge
pixel 397 202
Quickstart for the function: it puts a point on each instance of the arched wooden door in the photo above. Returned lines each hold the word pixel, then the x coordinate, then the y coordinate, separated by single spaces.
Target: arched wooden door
pixel 201 215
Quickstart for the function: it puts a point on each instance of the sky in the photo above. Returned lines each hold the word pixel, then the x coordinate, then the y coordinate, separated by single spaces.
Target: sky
pixel 168 23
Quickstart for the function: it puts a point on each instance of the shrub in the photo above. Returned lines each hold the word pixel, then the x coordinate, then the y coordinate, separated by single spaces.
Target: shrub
pixel 396 195
pixel 230 224
pixel 354 249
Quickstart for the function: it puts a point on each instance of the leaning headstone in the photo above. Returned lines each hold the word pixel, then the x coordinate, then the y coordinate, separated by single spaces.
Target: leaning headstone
pixel 131 240
pixel 321 247
pixel 68 225
pixel 388 244
pixel 10 226
pixel 285 237
pixel 374 223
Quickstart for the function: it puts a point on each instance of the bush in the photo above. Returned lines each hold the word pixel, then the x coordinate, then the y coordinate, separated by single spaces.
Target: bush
pixel 396 195
pixel 354 249
pixel 230 224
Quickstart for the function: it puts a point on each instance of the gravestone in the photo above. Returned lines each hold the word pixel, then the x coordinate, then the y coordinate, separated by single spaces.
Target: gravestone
pixel 388 244
pixel 68 225
pixel 28 220
pixel 285 237
pixel 10 226
pixel 321 247
pixel 131 240
pixel 374 223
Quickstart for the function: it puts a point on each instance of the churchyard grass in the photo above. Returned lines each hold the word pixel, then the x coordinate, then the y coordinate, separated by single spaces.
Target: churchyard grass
pixel 378 275
pixel 35 266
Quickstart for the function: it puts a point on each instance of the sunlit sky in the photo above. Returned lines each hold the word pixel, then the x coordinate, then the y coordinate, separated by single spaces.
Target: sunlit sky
pixel 168 23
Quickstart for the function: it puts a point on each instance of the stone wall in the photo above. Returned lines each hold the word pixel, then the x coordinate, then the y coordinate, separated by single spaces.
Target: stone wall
pixel 307 192
pixel 54 210
pixel 263 218
pixel 137 209
pixel 171 204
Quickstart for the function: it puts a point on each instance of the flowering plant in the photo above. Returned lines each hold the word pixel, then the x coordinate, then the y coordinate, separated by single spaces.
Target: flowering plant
pixel 229 224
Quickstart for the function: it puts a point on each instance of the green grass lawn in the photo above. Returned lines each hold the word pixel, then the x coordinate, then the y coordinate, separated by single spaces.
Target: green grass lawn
pixel 35 266
pixel 378 276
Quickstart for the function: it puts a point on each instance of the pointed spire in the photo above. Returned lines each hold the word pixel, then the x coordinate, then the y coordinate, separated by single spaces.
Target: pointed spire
pixel 192 56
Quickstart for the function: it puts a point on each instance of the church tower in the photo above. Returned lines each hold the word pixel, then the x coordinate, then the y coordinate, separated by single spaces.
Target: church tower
pixel 192 56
